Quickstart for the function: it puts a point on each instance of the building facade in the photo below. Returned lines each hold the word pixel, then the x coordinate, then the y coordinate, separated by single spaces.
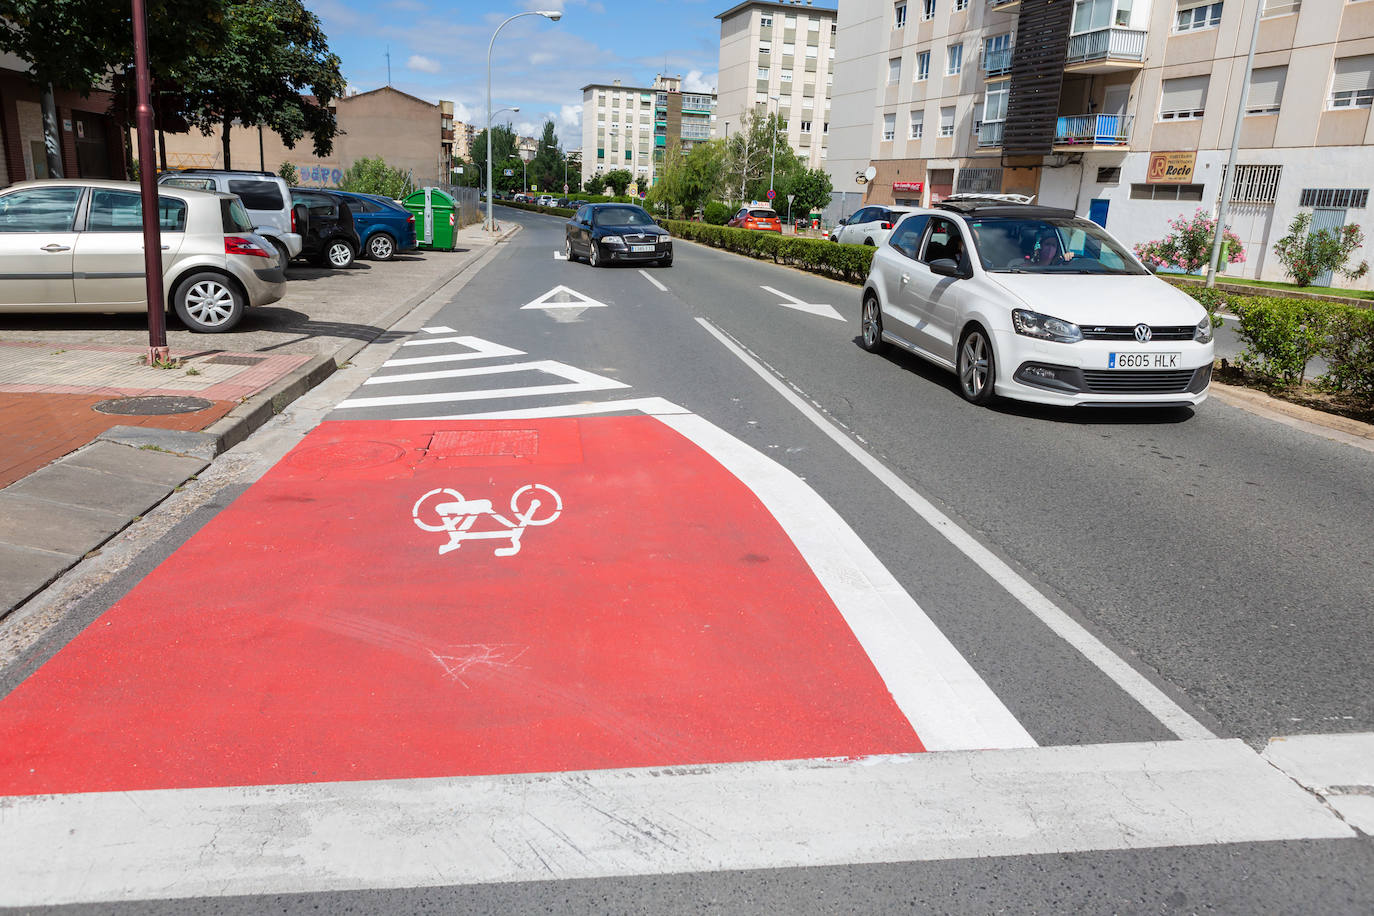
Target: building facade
pixel 625 127
pixel 411 134
pixel 91 141
pixel 779 57
pixel 1122 110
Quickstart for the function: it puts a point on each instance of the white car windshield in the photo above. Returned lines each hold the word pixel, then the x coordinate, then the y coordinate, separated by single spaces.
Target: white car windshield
pixel 1048 245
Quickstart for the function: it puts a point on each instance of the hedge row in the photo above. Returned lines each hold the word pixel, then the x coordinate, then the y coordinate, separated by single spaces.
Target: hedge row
pixel 845 262
pixel 1282 335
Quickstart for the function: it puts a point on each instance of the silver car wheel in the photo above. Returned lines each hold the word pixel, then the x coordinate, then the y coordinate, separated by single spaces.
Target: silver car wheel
pixel 872 323
pixel 209 302
pixel 340 255
pixel 380 247
pixel 975 367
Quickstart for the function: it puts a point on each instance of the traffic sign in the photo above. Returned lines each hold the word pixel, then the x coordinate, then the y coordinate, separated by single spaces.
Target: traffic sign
pixel 510 172
pixel 565 188
pixel 772 194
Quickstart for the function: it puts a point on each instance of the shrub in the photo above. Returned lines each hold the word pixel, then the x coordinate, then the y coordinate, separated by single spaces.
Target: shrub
pixel 374 176
pixel 1349 350
pixel 1281 335
pixel 1189 246
pixel 290 173
pixel 717 213
pixel 1307 255
pixel 845 262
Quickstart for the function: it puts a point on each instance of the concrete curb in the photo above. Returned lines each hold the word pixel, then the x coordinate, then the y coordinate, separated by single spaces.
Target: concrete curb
pixel 1318 422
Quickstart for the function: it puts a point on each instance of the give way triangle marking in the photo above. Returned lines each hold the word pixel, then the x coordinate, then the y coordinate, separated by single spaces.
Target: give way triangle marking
pixel 811 308
pixel 564 304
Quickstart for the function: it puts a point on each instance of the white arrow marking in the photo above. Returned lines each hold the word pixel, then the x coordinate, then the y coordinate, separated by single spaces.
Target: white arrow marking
pixel 811 308
pixel 572 300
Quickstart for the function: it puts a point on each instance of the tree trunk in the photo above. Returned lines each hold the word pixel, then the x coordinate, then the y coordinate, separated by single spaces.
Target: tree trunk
pixel 224 140
pixel 52 137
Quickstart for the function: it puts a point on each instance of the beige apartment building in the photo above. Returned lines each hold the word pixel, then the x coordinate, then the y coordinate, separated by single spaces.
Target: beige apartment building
pixel 1122 110
pixel 408 132
pixel 628 127
pixel 778 56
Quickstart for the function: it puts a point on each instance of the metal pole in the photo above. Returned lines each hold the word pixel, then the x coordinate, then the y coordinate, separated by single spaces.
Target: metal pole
pixel 547 14
pixel 147 181
pixel 1228 178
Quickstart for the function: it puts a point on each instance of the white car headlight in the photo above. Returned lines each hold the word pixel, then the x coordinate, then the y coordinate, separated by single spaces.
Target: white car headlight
pixel 1203 332
pixel 1045 327
pixel 612 240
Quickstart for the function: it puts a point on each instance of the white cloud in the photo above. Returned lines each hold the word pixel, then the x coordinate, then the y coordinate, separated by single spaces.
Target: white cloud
pixel 694 82
pixel 424 64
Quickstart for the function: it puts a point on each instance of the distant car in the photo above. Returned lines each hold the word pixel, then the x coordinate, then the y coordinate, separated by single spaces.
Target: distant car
pixel 563 203
pixel 1037 304
pixel 77 246
pixel 869 225
pixel 330 236
pixel 384 227
pixel 545 201
pixel 606 233
pixel 764 219
pixel 266 197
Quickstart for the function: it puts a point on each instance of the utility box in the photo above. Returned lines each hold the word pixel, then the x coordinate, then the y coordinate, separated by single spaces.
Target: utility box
pixel 436 218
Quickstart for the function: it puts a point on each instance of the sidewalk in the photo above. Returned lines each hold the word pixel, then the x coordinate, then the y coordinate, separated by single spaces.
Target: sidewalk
pixel 91 438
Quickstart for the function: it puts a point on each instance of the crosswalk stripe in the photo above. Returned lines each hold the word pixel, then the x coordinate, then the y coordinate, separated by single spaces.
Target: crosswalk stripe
pixel 578 380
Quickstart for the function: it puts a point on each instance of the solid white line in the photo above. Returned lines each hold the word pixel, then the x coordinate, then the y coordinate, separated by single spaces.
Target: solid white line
pixel 578 380
pixel 1154 700
pixel 219 842
pixel 650 406
pixel 654 281
pixel 948 704
pixel 438 329
pixel 778 292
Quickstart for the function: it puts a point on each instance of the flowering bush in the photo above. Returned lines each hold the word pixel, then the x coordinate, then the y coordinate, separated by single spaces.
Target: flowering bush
pixel 1307 255
pixel 1189 246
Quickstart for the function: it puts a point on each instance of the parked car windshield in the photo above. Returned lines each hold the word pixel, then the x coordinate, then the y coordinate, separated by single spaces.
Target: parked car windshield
pixel 622 216
pixel 1048 245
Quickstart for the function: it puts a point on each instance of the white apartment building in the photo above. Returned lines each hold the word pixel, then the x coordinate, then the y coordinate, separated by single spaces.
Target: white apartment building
pixel 784 52
pixel 1122 110
pixel 626 127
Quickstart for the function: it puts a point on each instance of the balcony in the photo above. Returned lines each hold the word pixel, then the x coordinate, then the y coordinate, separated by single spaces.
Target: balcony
pixel 990 134
pixel 1106 51
pixel 1074 132
pixel 997 63
pixel 1002 4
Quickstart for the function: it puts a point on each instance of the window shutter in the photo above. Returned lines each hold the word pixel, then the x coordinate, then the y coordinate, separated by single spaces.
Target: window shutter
pixel 1353 74
pixel 1266 87
pixel 1188 93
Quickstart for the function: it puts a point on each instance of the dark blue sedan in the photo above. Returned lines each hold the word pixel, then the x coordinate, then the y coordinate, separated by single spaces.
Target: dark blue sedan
pixel 384 225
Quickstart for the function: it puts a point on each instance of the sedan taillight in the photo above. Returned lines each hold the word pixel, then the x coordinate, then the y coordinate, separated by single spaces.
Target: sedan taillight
pixel 293 220
pixel 887 225
pixel 237 244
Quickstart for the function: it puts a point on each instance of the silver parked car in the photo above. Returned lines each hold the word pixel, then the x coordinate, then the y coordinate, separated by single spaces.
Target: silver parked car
pixel 77 245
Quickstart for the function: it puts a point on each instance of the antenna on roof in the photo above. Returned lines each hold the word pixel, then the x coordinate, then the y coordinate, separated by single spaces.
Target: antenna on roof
pixel 388 65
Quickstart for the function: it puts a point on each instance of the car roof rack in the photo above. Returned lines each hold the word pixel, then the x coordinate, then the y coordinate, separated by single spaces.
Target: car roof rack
pixel 1000 205
pixel 193 171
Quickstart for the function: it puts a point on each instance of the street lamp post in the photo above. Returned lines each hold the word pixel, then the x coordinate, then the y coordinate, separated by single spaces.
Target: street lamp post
pixel 552 15
pixel 1228 178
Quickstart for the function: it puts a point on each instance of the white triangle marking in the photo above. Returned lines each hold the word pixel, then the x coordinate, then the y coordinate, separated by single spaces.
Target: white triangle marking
pixel 811 308
pixel 580 301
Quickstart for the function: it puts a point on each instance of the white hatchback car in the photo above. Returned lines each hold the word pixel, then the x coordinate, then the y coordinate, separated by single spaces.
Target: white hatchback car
pixel 1035 304
pixel 869 225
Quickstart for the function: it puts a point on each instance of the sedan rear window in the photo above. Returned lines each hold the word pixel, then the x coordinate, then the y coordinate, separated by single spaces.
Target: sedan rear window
pixel 257 195
pixel 763 214
pixel 236 218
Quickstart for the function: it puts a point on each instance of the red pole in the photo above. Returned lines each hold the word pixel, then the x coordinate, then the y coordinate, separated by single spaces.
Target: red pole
pixel 147 179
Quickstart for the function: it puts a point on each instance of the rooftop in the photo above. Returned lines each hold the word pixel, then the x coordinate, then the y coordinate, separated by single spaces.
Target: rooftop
pixel 778 5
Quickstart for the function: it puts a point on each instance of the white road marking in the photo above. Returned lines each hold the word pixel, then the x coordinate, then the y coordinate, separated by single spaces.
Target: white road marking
pixel 811 308
pixel 579 380
pixel 479 349
pixel 559 256
pixel 575 300
pixel 219 842
pixel 651 406
pixel 654 281
pixel 1339 768
pixel 438 329
pixel 1154 700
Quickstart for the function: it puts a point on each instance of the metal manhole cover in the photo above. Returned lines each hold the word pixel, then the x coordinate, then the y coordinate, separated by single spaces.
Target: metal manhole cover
pixel 236 360
pixel 152 406
pixel 347 456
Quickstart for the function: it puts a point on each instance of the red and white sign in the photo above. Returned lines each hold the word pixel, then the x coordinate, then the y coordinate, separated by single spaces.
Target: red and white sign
pixel 908 186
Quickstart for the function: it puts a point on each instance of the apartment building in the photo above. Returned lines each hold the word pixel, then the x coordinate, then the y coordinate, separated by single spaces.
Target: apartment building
pixel 778 56
pixel 627 127
pixel 1123 110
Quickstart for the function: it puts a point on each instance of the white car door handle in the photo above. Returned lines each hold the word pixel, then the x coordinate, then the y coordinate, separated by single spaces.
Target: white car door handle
pixel 906 278
pixel 56 247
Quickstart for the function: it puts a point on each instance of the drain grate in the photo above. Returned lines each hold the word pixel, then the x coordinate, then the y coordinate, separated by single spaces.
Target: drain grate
pixel 236 360
pixel 484 443
pixel 152 406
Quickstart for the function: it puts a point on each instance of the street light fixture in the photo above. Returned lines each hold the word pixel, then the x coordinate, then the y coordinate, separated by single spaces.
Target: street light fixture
pixel 551 15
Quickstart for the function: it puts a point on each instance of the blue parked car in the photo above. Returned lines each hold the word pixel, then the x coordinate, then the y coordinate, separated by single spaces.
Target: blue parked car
pixel 384 226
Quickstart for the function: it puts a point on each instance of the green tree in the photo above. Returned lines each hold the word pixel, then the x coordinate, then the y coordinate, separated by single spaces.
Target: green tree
pixel 596 184
pixel 469 177
pixel 502 148
pixel 274 53
pixel 1306 255
pixel 290 173
pixel 546 168
pixel 619 180
pixel 686 181
pixel 810 190
pixel 374 176
pixel 750 155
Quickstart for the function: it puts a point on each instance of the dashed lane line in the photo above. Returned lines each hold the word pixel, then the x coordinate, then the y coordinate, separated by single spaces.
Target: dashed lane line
pixel 654 281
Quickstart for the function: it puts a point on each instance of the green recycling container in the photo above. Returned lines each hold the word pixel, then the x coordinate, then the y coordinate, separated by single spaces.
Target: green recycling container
pixel 436 218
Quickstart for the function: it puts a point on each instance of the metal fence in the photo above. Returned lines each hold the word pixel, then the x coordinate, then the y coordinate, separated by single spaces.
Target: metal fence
pixel 470 207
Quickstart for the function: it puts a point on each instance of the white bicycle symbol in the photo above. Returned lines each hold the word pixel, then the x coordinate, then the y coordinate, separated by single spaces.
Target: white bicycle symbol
pixel 456 516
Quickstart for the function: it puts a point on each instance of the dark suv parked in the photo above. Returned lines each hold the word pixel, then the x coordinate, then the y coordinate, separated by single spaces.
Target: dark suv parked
pixel 330 239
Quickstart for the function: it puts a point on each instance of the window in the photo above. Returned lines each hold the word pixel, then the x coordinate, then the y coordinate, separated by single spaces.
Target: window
pixel 954 59
pixel 258 195
pixel 889 127
pixel 1266 90
pixel 918 124
pixel 833 29
pixel 1340 198
pixel 960 5
pixel 760 98
pixel 899 15
pixel 806 127
pixel 765 22
pixel 788 49
pixel 825 128
pixel 1184 98
pixel 1108 174
pixel 979 181
pixel 928 9
pixel 790 22
pixel 1352 84
pixel 907 237
pixel 947 121
pixel 786 76
pixel 923 66
pixel 994 45
pixel 811 51
pixel 1091 15
pixel 1196 14
pixel 39 210
pixel 784 101
pixel 122 211
pixel 1280 7
pixel 1255 184
pixel 1166 192
pixel 813 25
pixel 943 241
pixel 995 108
pixel 601 152
pixel 763 73
pixel 765 47
pixel 894 70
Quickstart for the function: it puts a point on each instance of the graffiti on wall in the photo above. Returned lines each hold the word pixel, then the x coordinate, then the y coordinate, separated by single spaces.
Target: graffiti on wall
pixel 320 174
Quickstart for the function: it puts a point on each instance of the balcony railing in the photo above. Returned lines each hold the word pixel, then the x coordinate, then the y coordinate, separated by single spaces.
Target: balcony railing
pixel 1107 44
pixel 1093 130
pixel 998 62
pixel 998 4
pixel 990 133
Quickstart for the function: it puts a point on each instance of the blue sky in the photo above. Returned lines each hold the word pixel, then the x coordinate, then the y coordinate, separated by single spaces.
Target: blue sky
pixel 439 51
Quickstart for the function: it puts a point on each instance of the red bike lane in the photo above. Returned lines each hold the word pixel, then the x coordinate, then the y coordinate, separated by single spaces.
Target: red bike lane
pixel 631 603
